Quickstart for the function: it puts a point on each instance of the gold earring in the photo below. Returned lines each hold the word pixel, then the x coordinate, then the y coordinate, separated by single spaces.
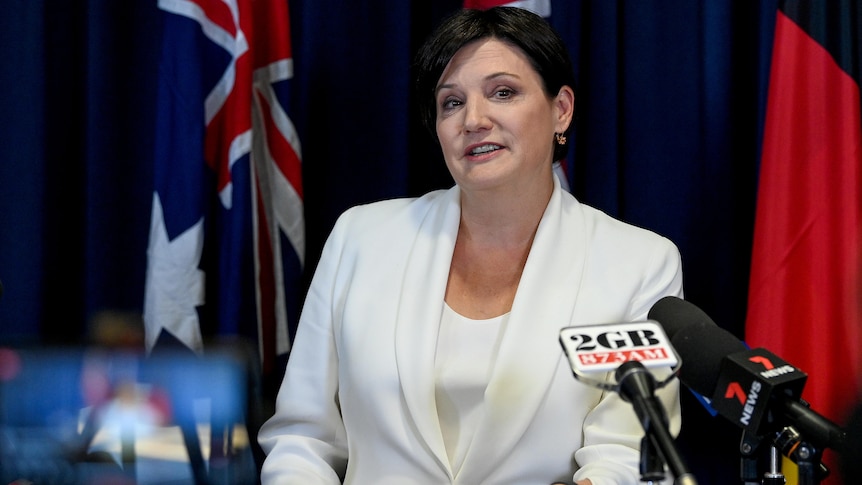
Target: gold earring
pixel 561 138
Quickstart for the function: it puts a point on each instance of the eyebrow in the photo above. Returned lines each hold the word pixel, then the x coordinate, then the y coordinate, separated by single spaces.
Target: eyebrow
pixel 489 77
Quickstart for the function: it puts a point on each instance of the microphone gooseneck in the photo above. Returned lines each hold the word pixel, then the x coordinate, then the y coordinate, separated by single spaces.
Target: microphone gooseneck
pixel 637 386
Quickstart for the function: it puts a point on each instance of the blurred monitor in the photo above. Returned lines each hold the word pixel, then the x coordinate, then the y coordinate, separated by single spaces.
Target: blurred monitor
pixel 95 416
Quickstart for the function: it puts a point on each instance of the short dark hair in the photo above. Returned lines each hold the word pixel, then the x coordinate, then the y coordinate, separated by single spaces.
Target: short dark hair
pixel 525 30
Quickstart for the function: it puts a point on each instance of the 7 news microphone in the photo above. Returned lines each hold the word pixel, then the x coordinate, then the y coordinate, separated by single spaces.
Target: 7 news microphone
pixel 753 388
pixel 627 350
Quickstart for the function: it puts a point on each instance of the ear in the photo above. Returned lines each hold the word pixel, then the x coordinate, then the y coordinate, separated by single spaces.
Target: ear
pixel 564 103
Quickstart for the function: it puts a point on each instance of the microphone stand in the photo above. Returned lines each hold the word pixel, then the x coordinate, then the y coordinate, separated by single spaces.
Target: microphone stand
pixel 804 453
pixel 790 443
pixel 637 386
pixel 749 449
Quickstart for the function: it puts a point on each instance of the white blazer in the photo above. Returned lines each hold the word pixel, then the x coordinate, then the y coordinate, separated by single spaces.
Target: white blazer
pixel 357 404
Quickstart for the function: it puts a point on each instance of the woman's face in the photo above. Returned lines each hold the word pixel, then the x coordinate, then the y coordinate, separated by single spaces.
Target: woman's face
pixel 495 122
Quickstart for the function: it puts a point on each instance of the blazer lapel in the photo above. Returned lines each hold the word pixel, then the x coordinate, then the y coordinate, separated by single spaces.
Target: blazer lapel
pixel 529 351
pixel 419 310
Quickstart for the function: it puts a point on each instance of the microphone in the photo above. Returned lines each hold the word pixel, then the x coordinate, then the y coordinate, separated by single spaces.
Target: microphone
pixel 629 349
pixel 753 388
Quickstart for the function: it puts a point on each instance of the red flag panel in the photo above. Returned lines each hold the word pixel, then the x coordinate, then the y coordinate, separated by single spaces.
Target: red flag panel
pixel 804 301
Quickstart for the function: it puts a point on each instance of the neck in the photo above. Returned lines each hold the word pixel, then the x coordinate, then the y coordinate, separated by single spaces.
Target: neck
pixel 494 219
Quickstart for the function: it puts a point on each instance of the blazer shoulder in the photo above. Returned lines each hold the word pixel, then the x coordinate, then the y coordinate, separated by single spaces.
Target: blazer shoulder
pixel 374 217
pixel 605 226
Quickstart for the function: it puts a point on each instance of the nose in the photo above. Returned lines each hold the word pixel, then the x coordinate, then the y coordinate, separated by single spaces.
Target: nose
pixel 476 115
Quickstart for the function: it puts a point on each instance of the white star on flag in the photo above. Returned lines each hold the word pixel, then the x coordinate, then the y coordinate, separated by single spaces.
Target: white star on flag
pixel 175 281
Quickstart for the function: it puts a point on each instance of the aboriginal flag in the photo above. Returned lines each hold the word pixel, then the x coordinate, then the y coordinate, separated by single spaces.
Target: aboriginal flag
pixel 804 294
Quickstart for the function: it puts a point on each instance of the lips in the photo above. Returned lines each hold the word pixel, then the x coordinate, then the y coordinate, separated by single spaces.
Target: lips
pixel 483 149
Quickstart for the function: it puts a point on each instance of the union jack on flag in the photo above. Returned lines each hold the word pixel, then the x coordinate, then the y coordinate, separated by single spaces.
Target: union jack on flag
pixel 227 234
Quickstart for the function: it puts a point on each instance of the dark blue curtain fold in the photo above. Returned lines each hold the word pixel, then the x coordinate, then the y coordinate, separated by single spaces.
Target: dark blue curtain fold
pixel 77 124
pixel 670 103
pixel 22 158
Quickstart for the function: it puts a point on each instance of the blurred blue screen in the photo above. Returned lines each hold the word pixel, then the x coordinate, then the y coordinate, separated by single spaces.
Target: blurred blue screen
pixel 107 416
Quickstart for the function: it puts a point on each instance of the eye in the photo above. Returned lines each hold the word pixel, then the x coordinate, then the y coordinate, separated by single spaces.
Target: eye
pixel 450 102
pixel 504 93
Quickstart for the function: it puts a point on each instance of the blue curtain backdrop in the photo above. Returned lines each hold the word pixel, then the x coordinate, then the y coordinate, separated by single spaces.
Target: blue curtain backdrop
pixel 670 100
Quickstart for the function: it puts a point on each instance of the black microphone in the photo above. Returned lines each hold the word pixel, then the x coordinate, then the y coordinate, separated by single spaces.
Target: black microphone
pixel 629 349
pixel 753 388
pixel 637 386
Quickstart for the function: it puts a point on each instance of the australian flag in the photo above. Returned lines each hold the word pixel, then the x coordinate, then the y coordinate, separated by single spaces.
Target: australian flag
pixel 540 7
pixel 227 233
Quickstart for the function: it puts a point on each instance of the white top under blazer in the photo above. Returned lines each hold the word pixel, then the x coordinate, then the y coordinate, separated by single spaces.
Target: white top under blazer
pixel 358 400
pixel 466 352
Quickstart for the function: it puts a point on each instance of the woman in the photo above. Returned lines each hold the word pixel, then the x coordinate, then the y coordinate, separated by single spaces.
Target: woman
pixel 427 351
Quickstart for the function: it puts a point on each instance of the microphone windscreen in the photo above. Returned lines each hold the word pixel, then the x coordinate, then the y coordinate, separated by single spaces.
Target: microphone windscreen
pixel 674 314
pixel 701 348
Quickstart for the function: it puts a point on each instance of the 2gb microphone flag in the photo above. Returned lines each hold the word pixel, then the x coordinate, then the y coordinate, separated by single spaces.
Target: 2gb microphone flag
pixel 593 350
pixel 227 234
pixel 804 294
